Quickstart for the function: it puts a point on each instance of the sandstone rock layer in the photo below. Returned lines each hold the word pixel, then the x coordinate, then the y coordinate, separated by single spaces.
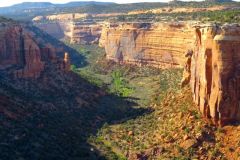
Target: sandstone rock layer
pixel 75 32
pixel 86 33
pixel 215 72
pixel 21 55
pixel 209 54
pixel 160 45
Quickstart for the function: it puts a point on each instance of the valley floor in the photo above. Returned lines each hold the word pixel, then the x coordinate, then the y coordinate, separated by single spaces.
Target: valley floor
pixel 173 129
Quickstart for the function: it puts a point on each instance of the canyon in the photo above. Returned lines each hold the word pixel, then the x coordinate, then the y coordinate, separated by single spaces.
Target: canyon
pixel 40 96
pixel 86 28
pixel 211 69
pixel 208 54
pixel 93 80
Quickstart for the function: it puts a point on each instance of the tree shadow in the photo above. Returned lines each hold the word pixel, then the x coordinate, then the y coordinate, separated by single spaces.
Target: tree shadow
pixel 55 115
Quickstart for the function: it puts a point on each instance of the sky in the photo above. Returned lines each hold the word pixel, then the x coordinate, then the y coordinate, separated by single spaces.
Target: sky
pixel 4 3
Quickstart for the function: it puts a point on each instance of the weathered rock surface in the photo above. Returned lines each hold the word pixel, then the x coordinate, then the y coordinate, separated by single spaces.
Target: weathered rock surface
pixel 75 32
pixel 209 55
pixel 86 33
pixel 58 30
pixel 64 17
pixel 21 55
pixel 72 16
pixel 159 45
pixel 215 72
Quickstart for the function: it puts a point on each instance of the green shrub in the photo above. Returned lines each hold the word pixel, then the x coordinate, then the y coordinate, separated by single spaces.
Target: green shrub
pixel 120 85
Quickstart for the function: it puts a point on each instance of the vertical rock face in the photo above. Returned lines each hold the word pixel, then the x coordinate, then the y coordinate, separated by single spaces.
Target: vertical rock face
pixel 76 32
pixel 18 49
pixel 30 58
pixel 160 45
pixel 211 54
pixel 215 72
pixel 58 30
pixel 10 45
pixel 66 62
pixel 21 55
pixel 86 33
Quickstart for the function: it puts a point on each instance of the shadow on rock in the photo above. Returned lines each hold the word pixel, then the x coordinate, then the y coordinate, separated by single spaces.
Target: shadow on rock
pixel 77 59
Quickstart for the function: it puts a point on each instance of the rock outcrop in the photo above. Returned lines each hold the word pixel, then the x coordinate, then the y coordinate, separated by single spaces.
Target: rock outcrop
pixel 21 55
pixel 209 55
pixel 64 17
pixel 76 32
pixel 59 30
pixel 73 16
pixel 86 33
pixel 159 45
pixel 215 72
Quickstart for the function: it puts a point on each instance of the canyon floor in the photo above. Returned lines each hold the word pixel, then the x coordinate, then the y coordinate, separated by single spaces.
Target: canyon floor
pixel 104 110
pixel 171 127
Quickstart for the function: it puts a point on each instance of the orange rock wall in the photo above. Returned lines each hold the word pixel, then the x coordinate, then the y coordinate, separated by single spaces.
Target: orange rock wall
pixel 215 72
pixel 213 68
pixel 18 49
pixel 86 33
pixel 21 55
pixel 159 45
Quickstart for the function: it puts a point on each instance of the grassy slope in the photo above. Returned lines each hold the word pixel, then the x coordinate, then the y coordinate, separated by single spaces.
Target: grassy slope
pixel 173 129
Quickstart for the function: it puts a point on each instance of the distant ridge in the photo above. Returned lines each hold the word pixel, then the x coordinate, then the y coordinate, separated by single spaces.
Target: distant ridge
pixel 26 11
pixel 26 5
pixel 218 1
pixel 31 9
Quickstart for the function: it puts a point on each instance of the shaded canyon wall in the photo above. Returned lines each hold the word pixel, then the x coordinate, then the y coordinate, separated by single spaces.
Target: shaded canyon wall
pixel 75 32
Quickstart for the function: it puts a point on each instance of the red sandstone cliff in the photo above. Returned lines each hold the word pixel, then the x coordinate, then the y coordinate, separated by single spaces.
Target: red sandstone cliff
pixel 215 72
pixel 208 53
pixel 86 33
pixel 159 45
pixel 21 55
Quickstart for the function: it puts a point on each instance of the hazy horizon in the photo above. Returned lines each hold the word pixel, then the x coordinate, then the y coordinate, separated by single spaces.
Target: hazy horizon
pixel 5 3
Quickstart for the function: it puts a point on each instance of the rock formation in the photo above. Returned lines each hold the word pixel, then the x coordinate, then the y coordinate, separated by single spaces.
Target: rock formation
pixel 21 55
pixel 73 16
pixel 86 32
pixel 64 17
pixel 66 62
pixel 215 72
pixel 209 55
pixel 160 45
pixel 57 29
pixel 76 32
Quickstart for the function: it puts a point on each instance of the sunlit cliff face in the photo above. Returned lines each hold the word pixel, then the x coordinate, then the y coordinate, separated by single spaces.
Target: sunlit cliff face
pixel 22 55
pixel 160 45
pixel 213 71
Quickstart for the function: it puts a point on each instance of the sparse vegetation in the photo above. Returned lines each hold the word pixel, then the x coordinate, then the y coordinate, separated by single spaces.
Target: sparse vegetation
pixel 224 16
pixel 104 110
pixel 120 84
pixel 173 129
